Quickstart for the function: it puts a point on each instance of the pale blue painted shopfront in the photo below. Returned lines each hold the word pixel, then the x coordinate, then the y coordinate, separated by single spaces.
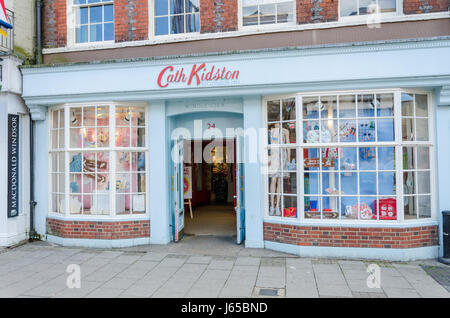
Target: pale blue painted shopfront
pixel 239 100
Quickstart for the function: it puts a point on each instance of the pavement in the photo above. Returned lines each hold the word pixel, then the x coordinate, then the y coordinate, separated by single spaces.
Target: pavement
pixel 205 267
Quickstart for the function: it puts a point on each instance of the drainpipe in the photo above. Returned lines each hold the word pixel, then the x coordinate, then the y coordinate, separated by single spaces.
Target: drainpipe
pixel 38 61
pixel 38 32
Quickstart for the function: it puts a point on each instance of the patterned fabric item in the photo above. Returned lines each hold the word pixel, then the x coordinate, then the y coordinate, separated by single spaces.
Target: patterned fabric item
pixel 75 163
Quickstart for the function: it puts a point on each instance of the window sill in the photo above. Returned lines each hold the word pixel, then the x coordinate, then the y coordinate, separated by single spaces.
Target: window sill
pixel 244 32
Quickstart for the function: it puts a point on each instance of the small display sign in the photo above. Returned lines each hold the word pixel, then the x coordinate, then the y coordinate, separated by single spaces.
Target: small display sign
pixel 13 165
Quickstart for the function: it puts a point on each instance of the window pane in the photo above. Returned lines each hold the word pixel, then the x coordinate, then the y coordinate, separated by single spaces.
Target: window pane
pixel 275 203
pixel 348 8
pixel 409 183
pixel 273 110
pixel 311 183
pixel 409 161
pixel 423 182
pixel 83 14
pixel 367 158
pixel 408 129
pixel 108 13
pixel 385 105
pixel 347 106
pixel 330 183
pixel 349 207
pixel 407 105
pixel 162 26
pixel 366 208
pixel 311 159
pixel 387 5
pixel 330 207
pixel 421 105
pixel 95 14
pixel 161 7
pixel 250 15
pixel 176 6
pixel 79 1
pixel 95 33
pixel 312 207
pixel 177 24
pixel 274 133
pixel 102 137
pixel 367 183
pixel 310 107
pixel 193 23
pixel 422 129
pixel 364 6
pixel 267 14
pixel 424 206
pixel 289 132
pixel 328 106
pixel 82 34
pixel 109 32
pixel 123 116
pixel 103 116
pixel 347 130
pixel 285 12
pixel 410 207
pixel 366 130
pixel 122 137
pixel 386 158
pixel 366 105
pixel 386 183
pixel 423 157
pixel 289 183
pixel 192 6
pixel 385 129
pixel 288 109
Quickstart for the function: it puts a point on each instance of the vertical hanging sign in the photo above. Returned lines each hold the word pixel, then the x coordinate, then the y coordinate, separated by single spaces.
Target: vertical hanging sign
pixel 13 165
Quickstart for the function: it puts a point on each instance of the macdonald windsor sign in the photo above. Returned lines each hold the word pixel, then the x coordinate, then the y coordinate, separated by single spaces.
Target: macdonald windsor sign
pixel 195 76
pixel 13 165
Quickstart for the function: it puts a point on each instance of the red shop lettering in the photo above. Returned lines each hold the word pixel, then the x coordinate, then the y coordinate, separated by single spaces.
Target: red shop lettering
pixel 198 74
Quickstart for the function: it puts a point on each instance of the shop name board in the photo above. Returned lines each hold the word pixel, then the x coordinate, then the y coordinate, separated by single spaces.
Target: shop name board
pixel 198 74
pixel 13 165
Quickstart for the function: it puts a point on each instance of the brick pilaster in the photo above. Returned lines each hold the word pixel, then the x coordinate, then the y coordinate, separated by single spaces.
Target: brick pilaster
pixel 130 20
pixel 316 11
pixel 54 23
pixel 218 16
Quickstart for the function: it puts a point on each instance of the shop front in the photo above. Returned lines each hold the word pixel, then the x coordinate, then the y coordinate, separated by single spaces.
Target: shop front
pixel 321 151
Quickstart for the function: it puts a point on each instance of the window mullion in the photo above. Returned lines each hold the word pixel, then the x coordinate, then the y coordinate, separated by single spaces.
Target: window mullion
pixel 398 155
pixel 66 160
pixel 112 159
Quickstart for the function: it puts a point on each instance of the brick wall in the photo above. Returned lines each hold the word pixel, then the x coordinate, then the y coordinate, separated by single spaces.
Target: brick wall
pixel 315 11
pixel 352 236
pixel 98 230
pixel 130 20
pixel 218 16
pixel 425 6
pixel 54 23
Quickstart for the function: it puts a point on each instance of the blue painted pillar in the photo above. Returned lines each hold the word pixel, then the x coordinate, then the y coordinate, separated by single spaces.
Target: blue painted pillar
pixel 159 187
pixel 253 183
pixel 41 190
pixel 442 152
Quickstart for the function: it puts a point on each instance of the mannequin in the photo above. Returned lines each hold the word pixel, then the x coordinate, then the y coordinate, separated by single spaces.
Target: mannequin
pixel 275 166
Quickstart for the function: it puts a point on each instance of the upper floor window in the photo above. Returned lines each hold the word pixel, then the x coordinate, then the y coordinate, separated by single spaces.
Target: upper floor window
pixel 349 8
pixel 94 20
pixel 177 16
pixel 260 12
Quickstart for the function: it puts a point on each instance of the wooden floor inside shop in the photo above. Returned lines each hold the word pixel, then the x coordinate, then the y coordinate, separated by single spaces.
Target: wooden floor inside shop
pixel 218 220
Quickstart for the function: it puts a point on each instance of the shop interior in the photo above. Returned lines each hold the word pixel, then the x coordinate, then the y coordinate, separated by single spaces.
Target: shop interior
pixel 209 179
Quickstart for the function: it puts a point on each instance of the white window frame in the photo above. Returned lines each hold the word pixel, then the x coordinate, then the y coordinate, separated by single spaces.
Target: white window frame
pixel 398 144
pixel 398 12
pixel 112 149
pixel 266 27
pixel 167 37
pixel 71 13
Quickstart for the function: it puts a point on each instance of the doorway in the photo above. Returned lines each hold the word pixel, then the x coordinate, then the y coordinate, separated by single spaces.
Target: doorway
pixel 210 187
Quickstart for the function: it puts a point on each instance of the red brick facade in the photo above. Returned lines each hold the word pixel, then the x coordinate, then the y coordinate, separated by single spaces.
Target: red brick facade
pixel 425 6
pixel 98 230
pixel 309 11
pixel 130 20
pixel 54 23
pixel 218 16
pixel 363 237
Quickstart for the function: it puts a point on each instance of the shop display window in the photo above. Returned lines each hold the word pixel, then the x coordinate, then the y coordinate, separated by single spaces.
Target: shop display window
pixel 357 165
pixel 102 170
